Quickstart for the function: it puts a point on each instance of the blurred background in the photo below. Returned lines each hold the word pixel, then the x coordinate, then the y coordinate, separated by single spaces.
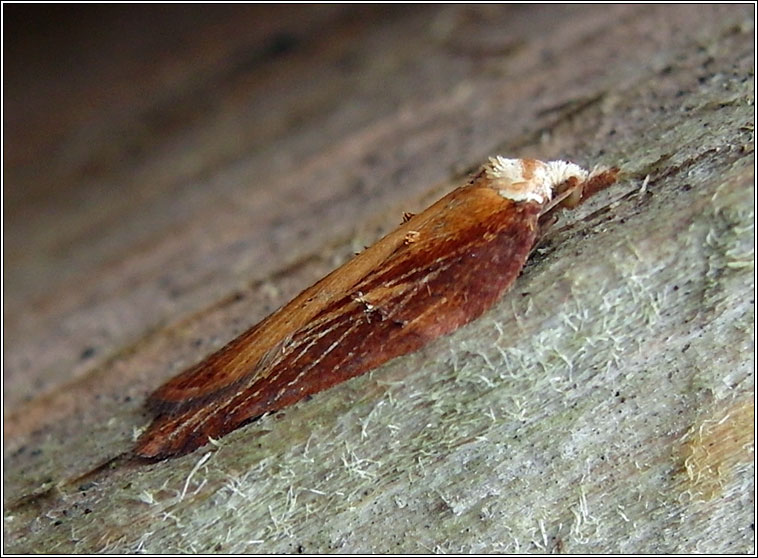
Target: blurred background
pixel 158 157
pixel 146 148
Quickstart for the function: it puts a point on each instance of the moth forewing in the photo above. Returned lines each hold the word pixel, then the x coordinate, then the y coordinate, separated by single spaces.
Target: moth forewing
pixel 439 270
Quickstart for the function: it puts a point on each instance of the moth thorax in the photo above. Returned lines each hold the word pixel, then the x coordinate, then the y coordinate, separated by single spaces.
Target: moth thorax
pixel 529 179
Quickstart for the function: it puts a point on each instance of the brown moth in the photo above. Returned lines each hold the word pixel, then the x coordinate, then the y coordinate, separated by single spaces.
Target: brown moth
pixel 436 272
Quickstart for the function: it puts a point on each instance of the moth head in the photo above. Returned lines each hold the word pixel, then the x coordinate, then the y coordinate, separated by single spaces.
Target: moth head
pixel 532 180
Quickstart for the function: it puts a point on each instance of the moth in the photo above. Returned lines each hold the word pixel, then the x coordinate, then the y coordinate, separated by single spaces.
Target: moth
pixel 439 270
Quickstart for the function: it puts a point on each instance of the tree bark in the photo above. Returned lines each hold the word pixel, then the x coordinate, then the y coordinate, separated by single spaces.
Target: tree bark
pixel 164 194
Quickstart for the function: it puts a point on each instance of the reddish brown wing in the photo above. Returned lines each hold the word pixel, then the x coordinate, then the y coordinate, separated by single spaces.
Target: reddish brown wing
pixel 248 354
pixel 449 275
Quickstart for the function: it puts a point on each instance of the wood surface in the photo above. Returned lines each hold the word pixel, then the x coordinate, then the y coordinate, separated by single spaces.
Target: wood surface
pixel 173 174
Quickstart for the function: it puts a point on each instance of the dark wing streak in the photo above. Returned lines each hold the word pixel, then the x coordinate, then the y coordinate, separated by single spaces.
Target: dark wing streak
pixel 408 295
pixel 316 362
pixel 327 319
pixel 190 429
pixel 177 407
pixel 311 335
pixel 404 296
pixel 234 401
pixel 197 376
pixel 169 427
pixel 388 275
pixel 389 308
pixel 306 347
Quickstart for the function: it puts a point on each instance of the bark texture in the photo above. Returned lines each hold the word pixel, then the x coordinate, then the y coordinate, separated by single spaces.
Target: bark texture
pixel 174 174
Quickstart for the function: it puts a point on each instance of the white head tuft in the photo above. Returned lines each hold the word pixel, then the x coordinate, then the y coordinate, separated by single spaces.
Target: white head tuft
pixel 530 179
